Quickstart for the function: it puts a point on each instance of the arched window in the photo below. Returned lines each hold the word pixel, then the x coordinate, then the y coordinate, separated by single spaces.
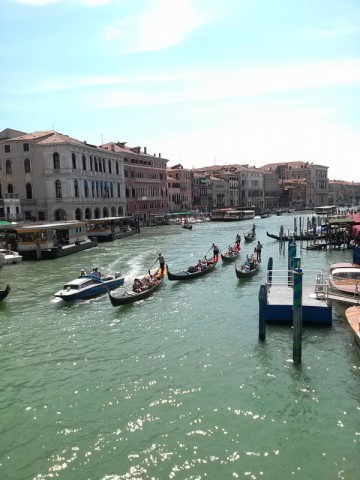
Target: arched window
pixel 93 188
pixel 97 213
pixel 10 188
pixel 58 193
pixel 76 188
pixel 28 191
pixel 97 189
pixel 111 190
pixel 109 166
pixel 100 165
pixel 127 192
pixel 27 165
pixel 96 165
pixel 56 161
pixel 8 168
pixel 118 190
pixel 73 157
pixel 78 214
pixel 86 188
pixel 104 170
pixel 105 212
pixel 117 168
pixel 87 214
pixel 84 162
pixel 91 164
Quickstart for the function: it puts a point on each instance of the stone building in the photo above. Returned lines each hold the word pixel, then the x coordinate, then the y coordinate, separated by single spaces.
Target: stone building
pixel 145 179
pixel 179 188
pixel 56 177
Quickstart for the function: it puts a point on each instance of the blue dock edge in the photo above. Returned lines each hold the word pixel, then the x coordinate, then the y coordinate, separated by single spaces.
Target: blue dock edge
pixel 283 314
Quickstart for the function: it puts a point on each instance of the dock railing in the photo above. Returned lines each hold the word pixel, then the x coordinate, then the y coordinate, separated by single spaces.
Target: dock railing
pixel 313 281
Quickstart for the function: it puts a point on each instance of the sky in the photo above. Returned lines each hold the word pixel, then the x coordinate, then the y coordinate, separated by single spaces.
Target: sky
pixel 201 82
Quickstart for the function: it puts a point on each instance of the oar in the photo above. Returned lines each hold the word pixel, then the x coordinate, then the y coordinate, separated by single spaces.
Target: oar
pixel 25 290
pixel 151 267
pixel 208 252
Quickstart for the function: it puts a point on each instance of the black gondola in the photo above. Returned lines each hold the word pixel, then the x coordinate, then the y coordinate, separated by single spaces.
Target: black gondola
pixel 244 272
pixel 131 297
pixel 189 275
pixel 249 237
pixel 4 293
pixel 230 256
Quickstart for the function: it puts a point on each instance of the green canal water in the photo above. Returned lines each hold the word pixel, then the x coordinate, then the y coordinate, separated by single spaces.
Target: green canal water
pixel 177 386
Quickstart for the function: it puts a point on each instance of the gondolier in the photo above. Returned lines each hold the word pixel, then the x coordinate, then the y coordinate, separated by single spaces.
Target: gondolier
pixel 237 241
pixel 258 251
pixel 162 263
pixel 215 252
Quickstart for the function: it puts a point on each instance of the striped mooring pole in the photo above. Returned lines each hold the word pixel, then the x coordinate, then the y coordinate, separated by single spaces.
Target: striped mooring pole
pixel 297 311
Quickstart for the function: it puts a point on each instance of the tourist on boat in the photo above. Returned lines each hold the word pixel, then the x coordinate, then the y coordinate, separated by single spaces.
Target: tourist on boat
pixel 96 273
pixel 253 230
pixel 82 272
pixel 137 285
pixel 258 251
pixel 215 252
pixel 162 263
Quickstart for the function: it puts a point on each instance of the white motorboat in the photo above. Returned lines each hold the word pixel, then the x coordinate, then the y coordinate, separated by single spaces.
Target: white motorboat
pixel 8 257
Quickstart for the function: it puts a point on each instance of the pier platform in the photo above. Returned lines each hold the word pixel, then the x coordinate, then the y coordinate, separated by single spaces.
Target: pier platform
pixel 276 303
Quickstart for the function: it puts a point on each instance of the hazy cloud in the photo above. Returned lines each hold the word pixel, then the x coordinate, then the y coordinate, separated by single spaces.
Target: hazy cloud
pixel 162 24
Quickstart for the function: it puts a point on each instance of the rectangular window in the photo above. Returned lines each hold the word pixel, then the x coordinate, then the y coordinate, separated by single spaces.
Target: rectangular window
pixel 27 215
pixel 7 148
pixel 26 147
pixel 41 215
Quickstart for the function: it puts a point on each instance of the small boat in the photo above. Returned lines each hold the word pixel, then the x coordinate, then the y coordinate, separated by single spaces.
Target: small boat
pixel 132 297
pixel 231 254
pixel 344 278
pixel 4 293
pixel 187 226
pixel 192 272
pixel 88 286
pixel 249 237
pixel 353 317
pixel 247 270
pixel 8 257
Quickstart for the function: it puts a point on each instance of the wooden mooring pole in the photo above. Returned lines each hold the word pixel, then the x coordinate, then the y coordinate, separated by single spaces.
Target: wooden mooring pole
pixel 297 311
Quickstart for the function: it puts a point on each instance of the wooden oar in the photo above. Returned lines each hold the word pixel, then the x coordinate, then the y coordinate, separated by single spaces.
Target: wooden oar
pixel 151 267
pixel 207 253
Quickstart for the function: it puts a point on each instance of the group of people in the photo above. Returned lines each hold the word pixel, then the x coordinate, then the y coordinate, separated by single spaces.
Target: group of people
pixel 250 263
pixel 94 273
pixel 141 284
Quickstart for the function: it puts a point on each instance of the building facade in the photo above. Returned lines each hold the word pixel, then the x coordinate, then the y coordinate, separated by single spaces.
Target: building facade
pixel 180 188
pixel 145 179
pixel 56 177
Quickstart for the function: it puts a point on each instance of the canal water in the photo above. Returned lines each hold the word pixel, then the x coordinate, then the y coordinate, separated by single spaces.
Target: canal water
pixel 177 386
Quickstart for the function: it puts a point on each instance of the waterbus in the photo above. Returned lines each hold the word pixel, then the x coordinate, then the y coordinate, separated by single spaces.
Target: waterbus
pixel 326 210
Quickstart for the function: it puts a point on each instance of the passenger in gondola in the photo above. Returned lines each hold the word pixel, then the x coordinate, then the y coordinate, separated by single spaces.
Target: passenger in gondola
pixel 137 285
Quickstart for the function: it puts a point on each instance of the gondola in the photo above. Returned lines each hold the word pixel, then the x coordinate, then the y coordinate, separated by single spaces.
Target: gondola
pixel 230 255
pixel 244 273
pixel 249 237
pixel 131 297
pixel 4 293
pixel 189 275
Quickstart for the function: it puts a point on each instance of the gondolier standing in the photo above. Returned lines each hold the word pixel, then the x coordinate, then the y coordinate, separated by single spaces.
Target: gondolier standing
pixel 215 252
pixel 162 263
pixel 237 241
pixel 258 251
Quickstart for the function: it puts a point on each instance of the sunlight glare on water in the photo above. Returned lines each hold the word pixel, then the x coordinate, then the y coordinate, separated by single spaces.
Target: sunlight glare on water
pixel 176 386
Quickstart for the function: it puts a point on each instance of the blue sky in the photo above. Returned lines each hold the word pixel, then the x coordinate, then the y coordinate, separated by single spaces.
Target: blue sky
pixel 199 81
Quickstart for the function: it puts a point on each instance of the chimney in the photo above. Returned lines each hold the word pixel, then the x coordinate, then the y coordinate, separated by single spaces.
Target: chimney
pixel 145 150
pixel 112 147
pixel 159 155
